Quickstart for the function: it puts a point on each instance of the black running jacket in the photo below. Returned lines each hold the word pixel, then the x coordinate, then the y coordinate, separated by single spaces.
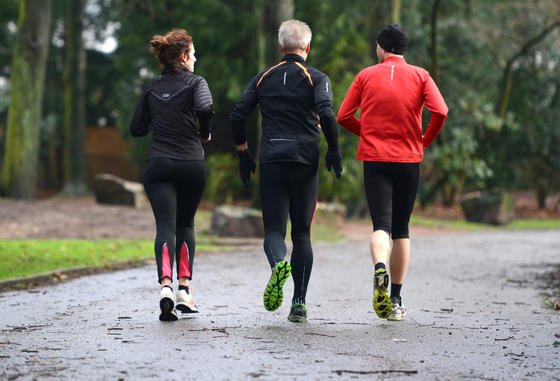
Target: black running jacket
pixel 294 100
pixel 172 106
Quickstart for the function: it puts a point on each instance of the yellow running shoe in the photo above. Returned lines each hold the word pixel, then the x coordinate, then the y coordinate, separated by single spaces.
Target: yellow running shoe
pixel 381 300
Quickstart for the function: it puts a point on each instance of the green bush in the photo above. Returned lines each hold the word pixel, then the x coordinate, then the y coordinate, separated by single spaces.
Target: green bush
pixel 223 185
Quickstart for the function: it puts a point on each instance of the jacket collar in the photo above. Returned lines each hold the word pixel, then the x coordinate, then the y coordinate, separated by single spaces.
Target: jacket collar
pixel 168 69
pixel 293 57
pixel 394 58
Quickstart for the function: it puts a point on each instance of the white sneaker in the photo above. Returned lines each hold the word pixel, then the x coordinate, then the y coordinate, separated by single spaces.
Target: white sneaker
pixel 398 312
pixel 167 305
pixel 185 302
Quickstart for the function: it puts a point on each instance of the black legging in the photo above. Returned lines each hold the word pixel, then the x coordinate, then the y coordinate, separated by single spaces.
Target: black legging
pixel 174 188
pixel 289 188
pixel 391 190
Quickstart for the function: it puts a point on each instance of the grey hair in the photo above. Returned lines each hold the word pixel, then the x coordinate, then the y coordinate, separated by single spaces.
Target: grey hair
pixel 294 34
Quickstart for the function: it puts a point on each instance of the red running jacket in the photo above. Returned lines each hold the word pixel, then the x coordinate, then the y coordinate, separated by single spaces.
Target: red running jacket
pixel 391 96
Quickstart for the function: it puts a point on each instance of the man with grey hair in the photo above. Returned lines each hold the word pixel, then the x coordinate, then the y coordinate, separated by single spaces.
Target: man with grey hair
pixel 294 34
pixel 296 104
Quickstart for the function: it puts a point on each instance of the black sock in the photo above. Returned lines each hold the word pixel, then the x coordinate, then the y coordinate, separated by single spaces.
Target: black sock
pixel 380 265
pixel 186 288
pixel 396 291
pixel 171 288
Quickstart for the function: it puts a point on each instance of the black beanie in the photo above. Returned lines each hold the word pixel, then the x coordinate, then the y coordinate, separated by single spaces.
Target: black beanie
pixel 393 38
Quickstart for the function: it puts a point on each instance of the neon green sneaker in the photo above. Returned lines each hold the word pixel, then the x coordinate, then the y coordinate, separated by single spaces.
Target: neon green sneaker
pixel 381 300
pixel 274 291
pixel 298 313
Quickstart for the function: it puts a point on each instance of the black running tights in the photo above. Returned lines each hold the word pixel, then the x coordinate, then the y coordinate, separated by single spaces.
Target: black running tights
pixel 174 188
pixel 289 188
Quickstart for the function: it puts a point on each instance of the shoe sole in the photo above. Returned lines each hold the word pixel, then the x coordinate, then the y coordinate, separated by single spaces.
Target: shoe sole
pixel 186 309
pixel 382 302
pixel 166 305
pixel 274 291
pixel 297 319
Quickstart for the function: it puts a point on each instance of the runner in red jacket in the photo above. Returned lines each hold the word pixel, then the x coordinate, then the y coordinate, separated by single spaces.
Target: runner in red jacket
pixel 391 96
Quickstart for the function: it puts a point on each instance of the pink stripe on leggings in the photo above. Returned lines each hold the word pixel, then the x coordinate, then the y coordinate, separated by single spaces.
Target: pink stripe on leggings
pixel 184 265
pixel 166 270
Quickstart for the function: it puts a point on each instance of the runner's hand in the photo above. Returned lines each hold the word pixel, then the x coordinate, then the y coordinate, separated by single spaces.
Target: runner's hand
pixel 334 161
pixel 246 166
pixel 205 140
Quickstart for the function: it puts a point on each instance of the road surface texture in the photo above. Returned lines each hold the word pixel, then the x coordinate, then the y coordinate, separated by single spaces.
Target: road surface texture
pixel 475 312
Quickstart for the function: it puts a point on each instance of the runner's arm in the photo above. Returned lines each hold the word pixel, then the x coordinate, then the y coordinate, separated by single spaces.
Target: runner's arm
pixel 436 105
pixel 140 124
pixel 323 102
pixel 203 107
pixel 241 111
pixel 350 104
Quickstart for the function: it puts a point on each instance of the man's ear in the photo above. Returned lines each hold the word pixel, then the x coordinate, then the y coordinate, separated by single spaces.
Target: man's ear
pixel 281 49
pixel 308 48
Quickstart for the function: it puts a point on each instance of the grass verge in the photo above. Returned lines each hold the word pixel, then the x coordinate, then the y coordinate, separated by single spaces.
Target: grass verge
pixel 33 257
pixel 24 258
pixel 456 224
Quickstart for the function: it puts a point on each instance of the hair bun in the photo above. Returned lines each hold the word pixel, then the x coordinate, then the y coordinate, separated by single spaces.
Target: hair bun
pixel 159 42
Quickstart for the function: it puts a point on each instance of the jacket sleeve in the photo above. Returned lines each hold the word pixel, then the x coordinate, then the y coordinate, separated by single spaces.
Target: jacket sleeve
pixel 323 102
pixel 241 111
pixel 203 106
pixel 349 105
pixel 140 124
pixel 436 105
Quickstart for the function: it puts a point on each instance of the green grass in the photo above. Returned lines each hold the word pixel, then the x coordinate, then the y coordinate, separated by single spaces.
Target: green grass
pixel 429 222
pixel 325 233
pixel 21 258
pixel 24 258
pixel 518 224
pixel 531 223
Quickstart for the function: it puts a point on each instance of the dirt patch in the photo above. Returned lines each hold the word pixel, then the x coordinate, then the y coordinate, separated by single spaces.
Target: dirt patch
pixel 73 218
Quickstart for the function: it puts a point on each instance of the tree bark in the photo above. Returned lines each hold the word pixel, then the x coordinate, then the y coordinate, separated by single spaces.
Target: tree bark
pixel 381 13
pixel 396 11
pixel 19 172
pixel 434 50
pixel 273 13
pixel 74 83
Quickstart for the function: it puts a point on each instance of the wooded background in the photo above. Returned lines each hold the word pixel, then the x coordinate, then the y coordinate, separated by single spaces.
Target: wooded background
pixel 497 63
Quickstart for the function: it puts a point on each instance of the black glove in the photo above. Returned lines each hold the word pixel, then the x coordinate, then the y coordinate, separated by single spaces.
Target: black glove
pixel 246 166
pixel 334 161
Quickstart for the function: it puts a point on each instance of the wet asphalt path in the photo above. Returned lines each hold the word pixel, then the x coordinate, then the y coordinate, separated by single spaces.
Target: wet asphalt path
pixel 474 313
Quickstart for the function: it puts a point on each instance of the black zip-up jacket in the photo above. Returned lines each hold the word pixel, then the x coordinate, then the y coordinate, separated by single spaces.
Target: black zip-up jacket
pixel 294 98
pixel 172 105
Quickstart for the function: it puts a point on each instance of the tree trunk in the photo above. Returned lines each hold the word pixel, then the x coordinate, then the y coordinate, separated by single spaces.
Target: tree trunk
pixel 74 81
pixel 274 12
pixel 434 51
pixel 396 11
pixel 19 172
pixel 381 13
